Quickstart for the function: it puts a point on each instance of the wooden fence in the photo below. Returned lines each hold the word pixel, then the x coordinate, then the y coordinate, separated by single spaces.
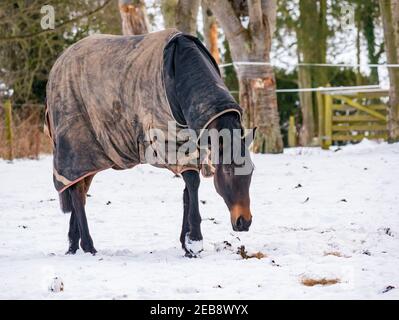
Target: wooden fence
pixel 21 131
pixel 350 116
pixel 343 116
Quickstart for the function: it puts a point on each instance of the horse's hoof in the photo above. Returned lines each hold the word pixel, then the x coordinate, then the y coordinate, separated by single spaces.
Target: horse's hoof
pixel 92 251
pixel 190 255
pixel 192 247
pixel 88 249
pixel 71 252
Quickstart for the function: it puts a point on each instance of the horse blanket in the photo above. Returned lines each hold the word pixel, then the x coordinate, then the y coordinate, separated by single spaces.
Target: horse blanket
pixel 106 93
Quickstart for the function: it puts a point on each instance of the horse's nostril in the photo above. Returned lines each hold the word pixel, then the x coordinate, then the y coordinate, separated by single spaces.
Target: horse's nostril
pixel 239 222
pixel 242 224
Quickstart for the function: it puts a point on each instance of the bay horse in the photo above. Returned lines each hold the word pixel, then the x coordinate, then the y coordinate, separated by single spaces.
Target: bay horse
pixel 234 189
pixel 98 111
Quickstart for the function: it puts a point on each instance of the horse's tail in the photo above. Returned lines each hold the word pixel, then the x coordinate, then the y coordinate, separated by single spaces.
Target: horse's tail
pixel 66 201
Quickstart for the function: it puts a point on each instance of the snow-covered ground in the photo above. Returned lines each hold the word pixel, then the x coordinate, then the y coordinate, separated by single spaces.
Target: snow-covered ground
pixel 317 214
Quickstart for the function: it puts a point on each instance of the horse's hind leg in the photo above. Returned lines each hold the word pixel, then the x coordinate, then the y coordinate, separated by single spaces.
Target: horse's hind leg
pixel 74 234
pixel 78 217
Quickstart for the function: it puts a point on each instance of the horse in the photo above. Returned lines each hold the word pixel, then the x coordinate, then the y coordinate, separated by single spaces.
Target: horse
pixel 93 131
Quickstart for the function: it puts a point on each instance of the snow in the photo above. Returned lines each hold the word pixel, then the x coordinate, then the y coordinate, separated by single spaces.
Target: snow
pixel 316 214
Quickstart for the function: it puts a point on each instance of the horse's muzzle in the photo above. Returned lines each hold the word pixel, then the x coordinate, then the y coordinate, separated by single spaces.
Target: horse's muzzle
pixel 241 224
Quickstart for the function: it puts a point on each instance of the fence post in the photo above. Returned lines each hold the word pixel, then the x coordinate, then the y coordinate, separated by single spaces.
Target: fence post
pixel 327 141
pixel 320 112
pixel 37 135
pixel 292 133
pixel 8 128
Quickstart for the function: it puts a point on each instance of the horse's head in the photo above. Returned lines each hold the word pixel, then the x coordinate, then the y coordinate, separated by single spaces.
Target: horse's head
pixel 232 179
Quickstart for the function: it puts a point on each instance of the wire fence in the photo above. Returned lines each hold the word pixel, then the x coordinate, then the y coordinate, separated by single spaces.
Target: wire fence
pixel 26 119
pixel 370 88
pixel 237 64
pixel 303 64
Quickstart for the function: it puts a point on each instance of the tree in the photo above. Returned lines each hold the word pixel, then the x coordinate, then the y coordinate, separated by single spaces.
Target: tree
pixel 369 12
pixel 311 31
pixel 390 17
pixel 27 51
pixel 168 9
pixel 186 16
pixel 257 82
pixel 181 14
pixel 210 32
pixel 367 15
pixel 134 17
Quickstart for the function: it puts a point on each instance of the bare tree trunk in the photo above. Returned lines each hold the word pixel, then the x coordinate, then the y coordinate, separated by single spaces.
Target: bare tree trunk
pixel 358 53
pixel 306 41
pixel 257 83
pixel 312 48
pixel 181 14
pixel 390 17
pixel 307 131
pixel 134 17
pixel 186 16
pixel 321 73
pixel 258 99
pixel 168 9
pixel 211 32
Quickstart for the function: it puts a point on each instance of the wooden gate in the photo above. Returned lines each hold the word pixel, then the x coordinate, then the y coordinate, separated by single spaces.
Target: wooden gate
pixel 350 116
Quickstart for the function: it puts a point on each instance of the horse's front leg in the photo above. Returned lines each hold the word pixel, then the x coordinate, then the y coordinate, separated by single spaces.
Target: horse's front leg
pixel 191 237
pixel 185 225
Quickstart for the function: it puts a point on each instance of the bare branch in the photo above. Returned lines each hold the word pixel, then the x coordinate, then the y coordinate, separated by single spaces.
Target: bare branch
pixel 34 34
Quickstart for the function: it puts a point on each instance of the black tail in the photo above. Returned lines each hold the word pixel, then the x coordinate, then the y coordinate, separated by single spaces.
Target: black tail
pixel 66 201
